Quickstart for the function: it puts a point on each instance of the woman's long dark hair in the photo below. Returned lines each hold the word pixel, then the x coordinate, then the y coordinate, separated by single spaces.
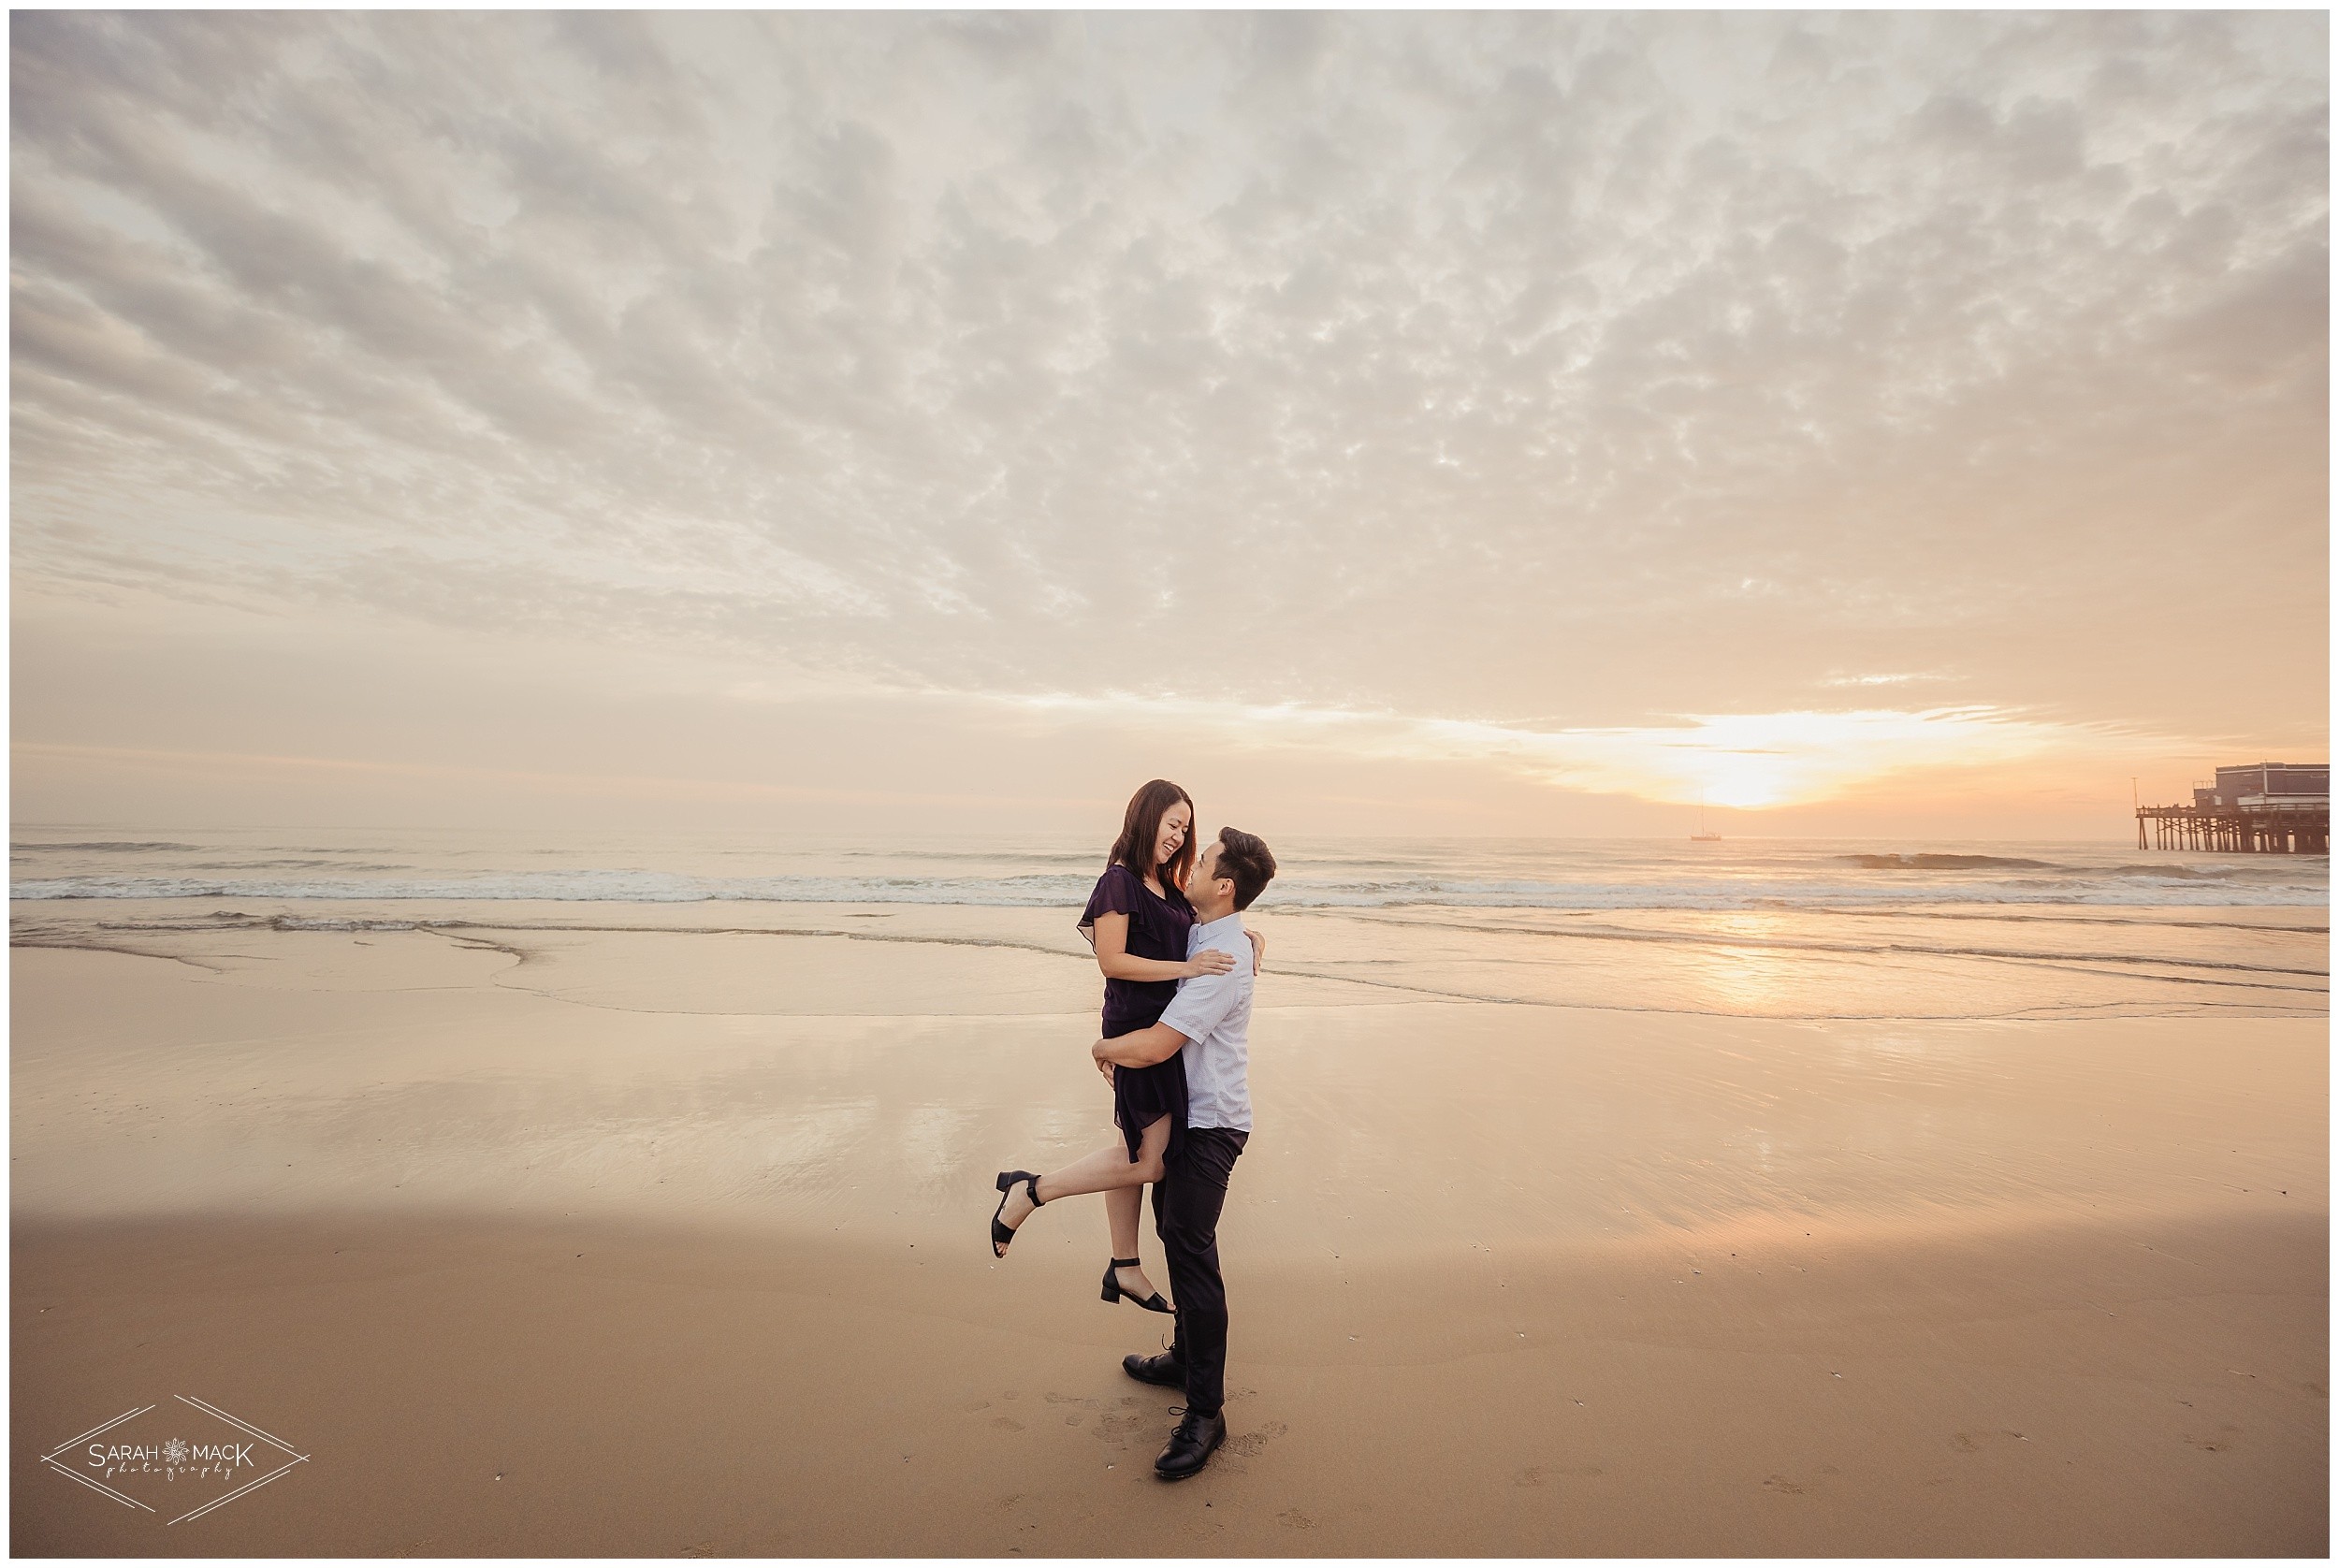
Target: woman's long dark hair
pixel 1141 830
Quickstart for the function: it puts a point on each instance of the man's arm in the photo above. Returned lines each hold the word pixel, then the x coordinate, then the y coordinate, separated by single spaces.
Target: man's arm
pixel 1196 1010
pixel 1140 1048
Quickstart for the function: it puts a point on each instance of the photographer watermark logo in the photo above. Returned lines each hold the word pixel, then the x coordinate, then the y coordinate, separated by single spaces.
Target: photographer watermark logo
pixel 185 1455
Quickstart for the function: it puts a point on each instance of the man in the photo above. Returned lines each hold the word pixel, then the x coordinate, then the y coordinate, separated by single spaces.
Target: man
pixel 1209 1021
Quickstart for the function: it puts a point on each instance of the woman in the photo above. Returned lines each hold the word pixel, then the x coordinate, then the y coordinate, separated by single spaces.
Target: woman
pixel 1136 920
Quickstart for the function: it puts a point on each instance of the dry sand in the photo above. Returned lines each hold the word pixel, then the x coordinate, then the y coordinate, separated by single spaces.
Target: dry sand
pixel 681 1238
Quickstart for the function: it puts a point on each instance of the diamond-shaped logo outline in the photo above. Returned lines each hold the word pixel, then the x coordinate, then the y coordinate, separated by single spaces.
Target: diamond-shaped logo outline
pixel 50 1458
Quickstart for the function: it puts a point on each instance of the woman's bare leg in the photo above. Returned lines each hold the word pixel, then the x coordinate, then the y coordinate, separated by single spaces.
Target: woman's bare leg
pixel 1105 1171
pixel 1124 1207
pixel 1110 1172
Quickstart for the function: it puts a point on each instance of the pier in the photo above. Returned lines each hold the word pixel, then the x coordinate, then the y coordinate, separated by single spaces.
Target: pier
pixel 2264 808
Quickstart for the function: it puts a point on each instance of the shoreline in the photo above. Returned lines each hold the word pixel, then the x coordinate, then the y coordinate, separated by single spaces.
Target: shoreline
pixel 1980 963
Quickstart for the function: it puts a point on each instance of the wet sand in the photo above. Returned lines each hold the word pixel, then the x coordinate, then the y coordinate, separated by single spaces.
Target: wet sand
pixel 681 1236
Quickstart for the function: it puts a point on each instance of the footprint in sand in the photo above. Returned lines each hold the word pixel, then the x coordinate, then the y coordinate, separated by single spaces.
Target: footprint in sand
pixel 1780 1484
pixel 1291 1518
pixel 1114 1428
pixel 1250 1442
pixel 1007 1423
pixel 2217 1444
pixel 1535 1474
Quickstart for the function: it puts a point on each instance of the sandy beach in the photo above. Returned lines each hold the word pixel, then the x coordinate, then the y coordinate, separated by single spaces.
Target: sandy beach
pixel 565 1233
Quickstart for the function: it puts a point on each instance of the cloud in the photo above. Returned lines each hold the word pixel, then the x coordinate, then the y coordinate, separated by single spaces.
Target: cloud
pixel 1434 364
pixel 1746 761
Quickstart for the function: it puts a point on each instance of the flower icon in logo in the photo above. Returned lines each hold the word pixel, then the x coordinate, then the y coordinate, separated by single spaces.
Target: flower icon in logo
pixel 175 1452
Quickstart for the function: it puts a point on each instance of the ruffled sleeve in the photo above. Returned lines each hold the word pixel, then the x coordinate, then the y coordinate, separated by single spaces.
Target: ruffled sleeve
pixel 1117 894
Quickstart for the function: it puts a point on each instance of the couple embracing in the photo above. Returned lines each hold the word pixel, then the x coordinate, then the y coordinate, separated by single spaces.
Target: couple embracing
pixel 1166 920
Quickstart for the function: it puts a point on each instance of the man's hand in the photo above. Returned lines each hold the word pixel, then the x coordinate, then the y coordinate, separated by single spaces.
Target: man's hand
pixel 1103 1065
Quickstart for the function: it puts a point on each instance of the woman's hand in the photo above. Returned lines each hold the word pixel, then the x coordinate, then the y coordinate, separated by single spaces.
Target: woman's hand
pixel 1210 961
pixel 1258 949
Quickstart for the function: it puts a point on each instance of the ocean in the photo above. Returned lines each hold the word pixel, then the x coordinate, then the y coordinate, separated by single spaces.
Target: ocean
pixel 1763 927
pixel 81 863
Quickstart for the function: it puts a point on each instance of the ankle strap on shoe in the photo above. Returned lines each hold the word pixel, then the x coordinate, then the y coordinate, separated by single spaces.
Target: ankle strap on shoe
pixel 1031 1190
pixel 1124 1263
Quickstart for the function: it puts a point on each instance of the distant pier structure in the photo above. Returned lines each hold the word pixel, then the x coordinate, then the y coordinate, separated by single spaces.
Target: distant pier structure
pixel 2263 809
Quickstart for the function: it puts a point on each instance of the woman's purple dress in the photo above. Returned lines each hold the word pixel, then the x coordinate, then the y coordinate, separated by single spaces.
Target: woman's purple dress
pixel 1158 923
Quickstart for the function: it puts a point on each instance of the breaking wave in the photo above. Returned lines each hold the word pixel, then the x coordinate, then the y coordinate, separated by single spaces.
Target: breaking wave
pixel 307 866
pixel 1945 863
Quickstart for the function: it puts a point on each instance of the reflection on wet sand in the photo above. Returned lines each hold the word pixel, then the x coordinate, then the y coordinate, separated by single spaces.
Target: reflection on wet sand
pixel 553 1070
pixel 1746 972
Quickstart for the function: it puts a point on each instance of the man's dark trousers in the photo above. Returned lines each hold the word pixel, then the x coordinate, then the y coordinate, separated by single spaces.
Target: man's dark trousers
pixel 1187 1201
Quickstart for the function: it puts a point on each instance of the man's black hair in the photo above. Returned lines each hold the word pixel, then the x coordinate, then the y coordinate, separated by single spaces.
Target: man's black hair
pixel 1245 860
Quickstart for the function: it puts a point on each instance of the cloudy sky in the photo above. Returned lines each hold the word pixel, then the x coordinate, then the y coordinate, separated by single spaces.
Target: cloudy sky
pixel 1387 422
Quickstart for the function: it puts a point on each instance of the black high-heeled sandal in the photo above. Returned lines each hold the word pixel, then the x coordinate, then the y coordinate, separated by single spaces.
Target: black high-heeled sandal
pixel 1114 1293
pixel 1002 1234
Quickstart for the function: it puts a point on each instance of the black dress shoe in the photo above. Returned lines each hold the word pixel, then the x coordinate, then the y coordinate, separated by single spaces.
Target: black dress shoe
pixel 1191 1446
pixel 1163 1368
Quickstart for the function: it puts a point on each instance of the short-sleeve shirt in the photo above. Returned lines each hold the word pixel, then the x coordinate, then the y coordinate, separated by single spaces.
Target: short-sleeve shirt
pixel 1158 923
pixel 1214 1013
